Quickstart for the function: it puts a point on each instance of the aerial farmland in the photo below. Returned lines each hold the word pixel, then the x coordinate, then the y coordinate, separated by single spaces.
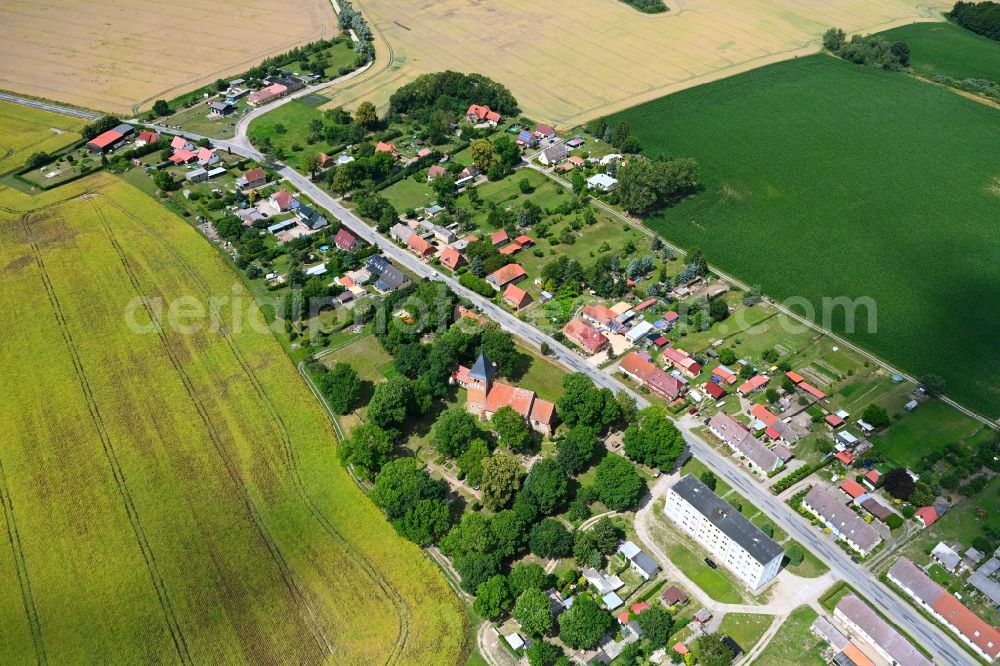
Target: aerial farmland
pixel 217 523
pixel 570 62
pixel 128 54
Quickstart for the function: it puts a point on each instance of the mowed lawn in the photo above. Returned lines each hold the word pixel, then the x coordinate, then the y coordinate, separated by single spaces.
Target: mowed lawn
pixel 25 130
pixel 827 179
pixel 175 496
pixel 947 49
pixel 794 644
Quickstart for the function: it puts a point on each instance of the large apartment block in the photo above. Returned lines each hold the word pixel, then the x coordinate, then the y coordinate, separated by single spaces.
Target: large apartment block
pixel 723 531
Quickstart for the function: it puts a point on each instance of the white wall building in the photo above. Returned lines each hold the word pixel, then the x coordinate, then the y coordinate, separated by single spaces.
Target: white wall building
pixel 723 531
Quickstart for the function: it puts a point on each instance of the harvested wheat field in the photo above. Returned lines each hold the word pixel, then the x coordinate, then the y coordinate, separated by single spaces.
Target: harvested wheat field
pixel 25 130
pixel 174 496
pixel 567 62
pixel 117 55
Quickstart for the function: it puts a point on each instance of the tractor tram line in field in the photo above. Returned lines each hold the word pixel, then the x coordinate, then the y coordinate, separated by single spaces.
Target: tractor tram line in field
pixel 391 594
pixel 176 633
pixel 306 611
pixel 21 568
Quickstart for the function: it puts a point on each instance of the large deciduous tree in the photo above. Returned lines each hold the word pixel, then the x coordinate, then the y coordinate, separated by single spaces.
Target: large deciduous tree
pixel 618 483
pixel 654 440
pixel 583 625
pixel 501 480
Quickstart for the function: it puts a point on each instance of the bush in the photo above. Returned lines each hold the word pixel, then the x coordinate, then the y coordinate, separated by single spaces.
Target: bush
pixel 894 521
pixel 477 284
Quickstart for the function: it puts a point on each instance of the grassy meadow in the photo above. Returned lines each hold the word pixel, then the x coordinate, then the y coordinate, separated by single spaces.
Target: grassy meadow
pixel 170 496
pixel 826 179
pixel 25 130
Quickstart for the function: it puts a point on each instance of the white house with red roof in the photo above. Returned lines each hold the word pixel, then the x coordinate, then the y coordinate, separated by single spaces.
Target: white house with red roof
pixel 482 114
pixel 516 297
pixel 683 361
pixel 585 336
pixel 511 273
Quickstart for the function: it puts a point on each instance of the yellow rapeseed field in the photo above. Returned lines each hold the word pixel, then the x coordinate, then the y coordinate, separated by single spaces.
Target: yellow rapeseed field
pixel 115 54
pixel 174 496
pixel 568 62
pixel 25 130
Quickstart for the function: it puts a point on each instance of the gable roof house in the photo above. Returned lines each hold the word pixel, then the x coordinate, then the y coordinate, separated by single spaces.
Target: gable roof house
pixel 683 361
pixel 267 94
pixel 725 374
pixel 509 274
pixel 452 258
pixel 526 139
pixel 734 434
pixel 585 336
pixel 401 232
pixel 391 279
pixel 841 520
pixel 420 246
pixel 482 114
pixel 310 217
pixel 252 178
pixel 436 171
pixel 944 607
pixel 775 428
pixel 346 241
pixel 860 619
pixel 207 156
pixel 382 147
pixel 544 131
pixel 753 384
pixel 146 137
pixel 220 109
pixel 553 154
pixel 516 297
pixel 646 374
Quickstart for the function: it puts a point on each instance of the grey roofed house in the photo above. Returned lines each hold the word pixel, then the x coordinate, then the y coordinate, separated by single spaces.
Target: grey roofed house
pixel 842 519
pixel 974 556
pixel 881 632
pixel 907 575
pixel 736 435
pixel 556 153
pixel 401 232
pixel 391 279
pixel 946 556
pixel 646 564
pixel 982 581
pixel 377 263
pixel 310 217
pixel 124 129
pixel 822 628
pixel 222 108
pixel 482 369
pixel 727 519
pixel 876 508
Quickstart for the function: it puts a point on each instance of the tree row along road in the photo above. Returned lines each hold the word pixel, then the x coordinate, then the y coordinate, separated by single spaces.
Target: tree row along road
pixel 941 645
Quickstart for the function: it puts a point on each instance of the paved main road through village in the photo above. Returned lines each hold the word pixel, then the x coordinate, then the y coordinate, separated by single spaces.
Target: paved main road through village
pixel 941 645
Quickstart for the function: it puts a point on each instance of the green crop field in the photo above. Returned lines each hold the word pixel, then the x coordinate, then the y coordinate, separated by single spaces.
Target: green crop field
pixel 25 130
pixel 169 495
pixel 827 179
pixel 945 48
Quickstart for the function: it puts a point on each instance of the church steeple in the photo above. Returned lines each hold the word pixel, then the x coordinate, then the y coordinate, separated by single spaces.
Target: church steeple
pixel 483 370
